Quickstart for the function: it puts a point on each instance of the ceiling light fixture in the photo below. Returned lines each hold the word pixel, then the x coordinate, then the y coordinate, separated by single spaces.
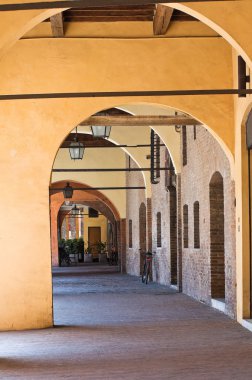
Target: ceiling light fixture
pixel 101 131
pixel 76 148
pixel 75 210
pixel 68 191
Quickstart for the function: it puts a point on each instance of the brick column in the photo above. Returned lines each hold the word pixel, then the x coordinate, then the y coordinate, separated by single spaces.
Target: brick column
pixel 149 224
pixel 179 233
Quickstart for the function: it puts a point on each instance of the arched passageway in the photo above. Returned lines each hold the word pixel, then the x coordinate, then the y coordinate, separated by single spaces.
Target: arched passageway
pixel 91 198
pixel 217 239
pixel 46 122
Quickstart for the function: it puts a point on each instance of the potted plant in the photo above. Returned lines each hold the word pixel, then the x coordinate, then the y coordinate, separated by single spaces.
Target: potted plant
pixel 88 258
pixel 102 251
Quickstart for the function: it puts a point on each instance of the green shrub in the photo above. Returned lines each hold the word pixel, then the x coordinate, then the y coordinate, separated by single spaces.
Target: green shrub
pixel 72 246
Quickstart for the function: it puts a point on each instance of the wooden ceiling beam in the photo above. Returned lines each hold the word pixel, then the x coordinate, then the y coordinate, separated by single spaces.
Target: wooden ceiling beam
pixel 140 120
pixel 57 25
pixel 86 12
pixel 108 18
pixel 86 3
pixel 162 19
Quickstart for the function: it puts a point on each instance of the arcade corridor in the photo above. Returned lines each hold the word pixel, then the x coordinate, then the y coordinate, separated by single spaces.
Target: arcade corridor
pixel 111 326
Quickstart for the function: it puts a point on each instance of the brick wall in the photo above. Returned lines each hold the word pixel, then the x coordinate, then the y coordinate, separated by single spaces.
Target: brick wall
pixel 134 199
pixel 204 158
pixel 144 216
pixel 173 236
pixel 179 233
pixel 161 204
pixel 149 224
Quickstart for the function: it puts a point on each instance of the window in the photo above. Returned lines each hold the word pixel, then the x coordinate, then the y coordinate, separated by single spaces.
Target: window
pixel 184 145
pixel 196 225
pixel 185 224
pixel 194 132
pixel 130 233
pixel 159 234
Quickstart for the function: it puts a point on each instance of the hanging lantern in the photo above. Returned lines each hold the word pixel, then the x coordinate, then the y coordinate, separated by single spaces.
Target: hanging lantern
pixel 68 191
pixel 76 148
pixel 101 131
pixel 75 210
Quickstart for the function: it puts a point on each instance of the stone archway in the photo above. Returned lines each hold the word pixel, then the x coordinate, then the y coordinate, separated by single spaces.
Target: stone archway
pixel 217 238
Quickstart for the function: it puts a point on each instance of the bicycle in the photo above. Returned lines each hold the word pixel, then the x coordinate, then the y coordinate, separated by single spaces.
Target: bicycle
pixel 146 274
pixel 64 257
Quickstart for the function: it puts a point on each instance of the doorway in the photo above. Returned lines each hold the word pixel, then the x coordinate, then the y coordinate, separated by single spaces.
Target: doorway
pixel 94 237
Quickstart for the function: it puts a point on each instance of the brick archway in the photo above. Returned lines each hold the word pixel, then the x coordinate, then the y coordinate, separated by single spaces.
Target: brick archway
pixel 217 249
pixel 94 198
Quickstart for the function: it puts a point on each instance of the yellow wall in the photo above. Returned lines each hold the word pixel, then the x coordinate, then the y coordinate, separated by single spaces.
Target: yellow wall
pixel 67 66
pixel 242 108
pixel 101 221
pixel 121 30
pixel 96 158
pixel 235 27
pixel 36 128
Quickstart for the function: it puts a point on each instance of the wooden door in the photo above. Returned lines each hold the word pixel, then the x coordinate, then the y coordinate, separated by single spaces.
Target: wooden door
pixel 94 237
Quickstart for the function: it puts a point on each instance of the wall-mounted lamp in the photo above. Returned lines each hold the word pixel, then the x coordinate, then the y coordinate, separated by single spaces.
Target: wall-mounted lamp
pixel 101 131
pixel 76 148
pixel 68 191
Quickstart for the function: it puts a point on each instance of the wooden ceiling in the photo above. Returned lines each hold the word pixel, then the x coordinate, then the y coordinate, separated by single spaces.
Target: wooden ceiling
pixel 160 15
pixel 119 13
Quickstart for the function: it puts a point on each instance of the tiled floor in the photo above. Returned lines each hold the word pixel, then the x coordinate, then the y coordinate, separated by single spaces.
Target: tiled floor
pixel 111 326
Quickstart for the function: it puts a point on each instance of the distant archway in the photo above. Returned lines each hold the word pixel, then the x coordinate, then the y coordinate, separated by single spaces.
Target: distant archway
pixel 90 197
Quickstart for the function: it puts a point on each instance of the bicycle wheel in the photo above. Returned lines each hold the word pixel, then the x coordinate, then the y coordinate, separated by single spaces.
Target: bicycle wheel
pixel 144 273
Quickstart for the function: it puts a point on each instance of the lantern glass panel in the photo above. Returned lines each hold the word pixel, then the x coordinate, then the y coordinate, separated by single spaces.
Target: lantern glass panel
pixel 101 131
pixel 76 150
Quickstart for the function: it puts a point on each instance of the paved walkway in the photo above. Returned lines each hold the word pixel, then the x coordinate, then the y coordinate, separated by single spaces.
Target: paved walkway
pixel 113 327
